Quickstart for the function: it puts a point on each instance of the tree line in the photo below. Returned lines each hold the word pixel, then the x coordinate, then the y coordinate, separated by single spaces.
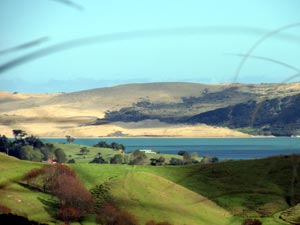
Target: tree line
pixel 113 145
pixel 30 148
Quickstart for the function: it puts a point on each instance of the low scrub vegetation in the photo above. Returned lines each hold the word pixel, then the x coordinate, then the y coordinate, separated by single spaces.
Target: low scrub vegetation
pixel 61 181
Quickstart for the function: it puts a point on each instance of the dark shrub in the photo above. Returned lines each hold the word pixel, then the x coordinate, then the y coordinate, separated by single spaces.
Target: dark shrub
pixel 252 222
pixel 112 215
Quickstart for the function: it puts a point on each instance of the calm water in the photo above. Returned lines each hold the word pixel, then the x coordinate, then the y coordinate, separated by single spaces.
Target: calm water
pixel 223 148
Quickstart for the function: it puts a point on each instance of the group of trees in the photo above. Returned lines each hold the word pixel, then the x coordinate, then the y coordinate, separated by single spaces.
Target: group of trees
pixel 138 157
pixel 30 148
pixel 113 145
pixel 116 159
pixel 187 158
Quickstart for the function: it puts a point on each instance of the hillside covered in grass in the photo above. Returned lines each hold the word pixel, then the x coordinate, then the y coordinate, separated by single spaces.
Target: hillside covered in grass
pixel 219 193
pixel 36 206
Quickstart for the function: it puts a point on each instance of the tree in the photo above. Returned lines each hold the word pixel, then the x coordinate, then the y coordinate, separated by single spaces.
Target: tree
pixel 157 162
pixel 98 160
pixel 48 151
pixel 4 144
pixel 60 156
pixel 176 162
pixel 84 150
pixel 19 134
pixel 102 196
pixel 70 139
pixel 113 145
pixel 34 141
pixel 27 152
pixel 137 158
pixel 187 158
pixel 102 144
pixel 181 152
pixel 117 146
pixel 117 159
pixel 71 161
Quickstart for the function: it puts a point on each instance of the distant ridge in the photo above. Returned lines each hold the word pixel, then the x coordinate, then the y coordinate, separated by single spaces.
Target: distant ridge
pixel 171 104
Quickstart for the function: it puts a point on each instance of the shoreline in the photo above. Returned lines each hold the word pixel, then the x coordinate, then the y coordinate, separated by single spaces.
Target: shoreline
pixel 163 137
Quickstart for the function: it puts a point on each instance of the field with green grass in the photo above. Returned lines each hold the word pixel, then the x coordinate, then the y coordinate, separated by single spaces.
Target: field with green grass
pixel 73 152
pixel 220 193
pixel 22 201
pixel 246 189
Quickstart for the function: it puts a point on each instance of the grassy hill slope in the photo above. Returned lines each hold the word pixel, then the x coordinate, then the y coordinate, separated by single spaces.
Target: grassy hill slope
pixel 248 188
pixel 150 196
pixel 128 188
pixel 22 201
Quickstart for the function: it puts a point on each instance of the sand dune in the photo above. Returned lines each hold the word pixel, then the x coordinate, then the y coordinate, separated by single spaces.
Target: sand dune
pixel 133 130
pixel 57 115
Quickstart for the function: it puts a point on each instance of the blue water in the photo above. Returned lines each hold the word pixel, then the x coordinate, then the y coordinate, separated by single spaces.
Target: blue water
pixel 223 148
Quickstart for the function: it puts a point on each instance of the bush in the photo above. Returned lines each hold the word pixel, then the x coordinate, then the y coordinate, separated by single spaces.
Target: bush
pixel 68 214
pixel 71 161
pixel 98 160
pixel 157 162
pixel 101 196
pixel 152 222
pixel 176 162
pixel 187 158
pixel 62 182
pixel 252 222
pixel 60 156
pixel 84 151
pixel 181 152
pixel 117 159
pixel 138 158
pixel 208 160
pixel 112 215
pixel 4 209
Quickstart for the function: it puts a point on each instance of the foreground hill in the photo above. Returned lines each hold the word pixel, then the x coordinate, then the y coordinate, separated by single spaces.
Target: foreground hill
pixel 151 109
pixel 148 196
pixel 21 200
pixel 262 188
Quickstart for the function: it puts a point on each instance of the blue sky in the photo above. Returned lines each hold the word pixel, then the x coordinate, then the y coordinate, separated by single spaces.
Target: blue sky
pixel 148 41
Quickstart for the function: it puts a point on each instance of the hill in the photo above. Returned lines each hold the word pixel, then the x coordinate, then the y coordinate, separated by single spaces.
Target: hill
pixel 218 193
pixel 260 188
pixel 278 116
pixel 128 188
pixel 21 200
pixel 150 109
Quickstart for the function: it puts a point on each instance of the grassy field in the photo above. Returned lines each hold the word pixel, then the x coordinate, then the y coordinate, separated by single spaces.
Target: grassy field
pixel 35 205
pixel 220 193
pixel 228 184
pixel 150 196
pixel 73 152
